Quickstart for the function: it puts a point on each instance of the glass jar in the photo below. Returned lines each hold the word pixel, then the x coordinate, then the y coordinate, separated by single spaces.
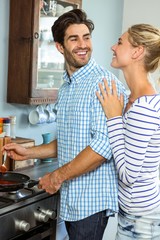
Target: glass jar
pixel 6 127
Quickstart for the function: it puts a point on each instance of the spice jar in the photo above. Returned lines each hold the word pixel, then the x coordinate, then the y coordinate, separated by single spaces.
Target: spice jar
pixel 6 126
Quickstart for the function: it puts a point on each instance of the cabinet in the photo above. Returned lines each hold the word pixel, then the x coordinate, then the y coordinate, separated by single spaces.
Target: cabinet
pixel 35 67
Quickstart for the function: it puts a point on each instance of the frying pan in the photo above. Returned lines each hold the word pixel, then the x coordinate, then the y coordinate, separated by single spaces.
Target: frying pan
pixel 10 181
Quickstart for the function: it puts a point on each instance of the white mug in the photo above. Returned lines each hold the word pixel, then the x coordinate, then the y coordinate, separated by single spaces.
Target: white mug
pixel 51 114
pixel 38 116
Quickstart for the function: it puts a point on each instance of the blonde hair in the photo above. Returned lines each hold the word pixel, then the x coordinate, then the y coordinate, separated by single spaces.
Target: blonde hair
pixel 148 36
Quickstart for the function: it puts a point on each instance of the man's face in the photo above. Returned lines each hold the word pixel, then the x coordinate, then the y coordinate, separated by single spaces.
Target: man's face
pixel 77 47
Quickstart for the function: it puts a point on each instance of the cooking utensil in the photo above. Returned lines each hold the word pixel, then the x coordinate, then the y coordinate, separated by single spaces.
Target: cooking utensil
pixel 10 181
pixel 3 168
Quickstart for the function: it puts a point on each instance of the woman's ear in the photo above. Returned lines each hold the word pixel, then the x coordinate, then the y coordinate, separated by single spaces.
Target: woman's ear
pixel 59 47
pixel 138 52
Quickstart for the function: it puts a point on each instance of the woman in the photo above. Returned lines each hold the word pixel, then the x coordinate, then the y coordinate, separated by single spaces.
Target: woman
pixel 135 136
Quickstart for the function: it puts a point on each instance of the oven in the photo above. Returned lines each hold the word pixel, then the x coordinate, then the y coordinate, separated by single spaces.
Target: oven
pixel 28 214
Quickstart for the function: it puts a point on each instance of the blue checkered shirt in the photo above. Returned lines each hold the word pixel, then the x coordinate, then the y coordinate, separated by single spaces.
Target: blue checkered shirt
pixel 80 123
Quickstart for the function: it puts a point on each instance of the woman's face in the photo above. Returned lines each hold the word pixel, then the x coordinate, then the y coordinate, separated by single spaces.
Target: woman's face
pixel 122 52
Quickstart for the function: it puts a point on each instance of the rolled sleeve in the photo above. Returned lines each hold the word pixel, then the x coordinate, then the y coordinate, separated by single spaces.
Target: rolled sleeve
pixel 100 141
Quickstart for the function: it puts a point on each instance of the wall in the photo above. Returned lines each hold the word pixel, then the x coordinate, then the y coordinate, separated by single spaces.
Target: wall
pixel 142 11
pixel 107 16
pixel 23 128
pixel 100 12
pixel 137 11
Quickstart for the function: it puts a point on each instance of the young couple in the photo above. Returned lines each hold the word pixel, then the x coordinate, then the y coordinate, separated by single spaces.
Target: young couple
pixel 92 148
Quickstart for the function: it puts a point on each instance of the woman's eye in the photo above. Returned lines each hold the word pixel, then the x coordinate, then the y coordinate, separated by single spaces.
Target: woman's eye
pixel 87 37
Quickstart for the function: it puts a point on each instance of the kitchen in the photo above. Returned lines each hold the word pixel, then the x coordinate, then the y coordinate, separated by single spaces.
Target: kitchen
pixel 121 14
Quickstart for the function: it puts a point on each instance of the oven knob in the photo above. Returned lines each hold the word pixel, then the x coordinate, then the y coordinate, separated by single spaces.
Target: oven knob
pixel 41 217
pixel 50 213
pixel 22 225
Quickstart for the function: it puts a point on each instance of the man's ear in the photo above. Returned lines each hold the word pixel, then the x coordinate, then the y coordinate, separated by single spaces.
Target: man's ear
pixel 59 47
pixel 138 52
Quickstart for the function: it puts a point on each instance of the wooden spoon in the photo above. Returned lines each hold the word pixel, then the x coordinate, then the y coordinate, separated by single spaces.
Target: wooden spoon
pixel 3 168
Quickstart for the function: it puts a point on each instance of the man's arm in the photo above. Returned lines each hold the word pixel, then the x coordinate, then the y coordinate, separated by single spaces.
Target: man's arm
pixel 87 160
pixel 17 152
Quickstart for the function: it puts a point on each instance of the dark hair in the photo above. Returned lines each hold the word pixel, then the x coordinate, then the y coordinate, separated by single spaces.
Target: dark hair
pixel 75 16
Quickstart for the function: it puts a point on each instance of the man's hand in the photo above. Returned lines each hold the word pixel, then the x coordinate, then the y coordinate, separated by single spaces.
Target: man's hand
pixel 15 151
pixel 50 182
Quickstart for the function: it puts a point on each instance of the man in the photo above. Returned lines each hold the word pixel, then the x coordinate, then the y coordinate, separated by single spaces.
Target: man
pixel 86 175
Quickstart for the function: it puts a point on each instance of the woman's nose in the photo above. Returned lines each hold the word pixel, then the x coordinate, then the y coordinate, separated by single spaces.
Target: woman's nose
pixel 113 47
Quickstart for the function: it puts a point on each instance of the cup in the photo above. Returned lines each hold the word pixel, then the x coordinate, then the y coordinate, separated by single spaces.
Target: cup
pixel 38 116
pixel 52 7
pixel 51 114
pixel 46 139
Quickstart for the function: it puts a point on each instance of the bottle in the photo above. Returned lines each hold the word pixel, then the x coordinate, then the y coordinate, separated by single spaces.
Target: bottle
pixel 6 127
pixel 13 126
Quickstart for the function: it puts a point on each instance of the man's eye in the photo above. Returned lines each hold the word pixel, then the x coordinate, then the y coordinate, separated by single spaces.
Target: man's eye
pixel 73 39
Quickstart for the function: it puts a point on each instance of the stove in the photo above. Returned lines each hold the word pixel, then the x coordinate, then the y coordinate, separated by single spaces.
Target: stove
pixel 29 213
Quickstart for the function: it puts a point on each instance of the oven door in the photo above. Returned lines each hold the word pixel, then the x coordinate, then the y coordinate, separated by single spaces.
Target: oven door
pixel 29 220
pixel 45 231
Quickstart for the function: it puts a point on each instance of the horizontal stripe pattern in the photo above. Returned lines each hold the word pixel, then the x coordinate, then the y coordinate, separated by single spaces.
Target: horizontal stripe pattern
pixel 135 142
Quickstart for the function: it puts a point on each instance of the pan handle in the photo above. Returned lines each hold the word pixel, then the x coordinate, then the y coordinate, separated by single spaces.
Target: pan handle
pixel 31 183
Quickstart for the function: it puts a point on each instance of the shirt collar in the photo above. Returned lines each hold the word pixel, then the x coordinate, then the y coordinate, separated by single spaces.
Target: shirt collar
pixel 81 73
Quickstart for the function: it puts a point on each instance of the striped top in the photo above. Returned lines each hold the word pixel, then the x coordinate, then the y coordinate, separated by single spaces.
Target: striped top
pixel 135 142
pixel 81 122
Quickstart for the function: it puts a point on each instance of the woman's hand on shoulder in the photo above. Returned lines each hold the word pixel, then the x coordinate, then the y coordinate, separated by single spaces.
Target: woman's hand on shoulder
pixel 112 104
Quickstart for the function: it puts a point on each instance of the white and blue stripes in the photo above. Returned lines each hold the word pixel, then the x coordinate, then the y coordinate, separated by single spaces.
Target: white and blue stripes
pixel 80 123
pixel 135 141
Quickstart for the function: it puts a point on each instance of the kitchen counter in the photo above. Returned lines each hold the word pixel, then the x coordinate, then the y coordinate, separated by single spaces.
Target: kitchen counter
pixel 39 169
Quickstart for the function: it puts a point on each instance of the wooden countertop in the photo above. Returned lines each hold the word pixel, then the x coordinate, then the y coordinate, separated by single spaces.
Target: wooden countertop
pixel 22 140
